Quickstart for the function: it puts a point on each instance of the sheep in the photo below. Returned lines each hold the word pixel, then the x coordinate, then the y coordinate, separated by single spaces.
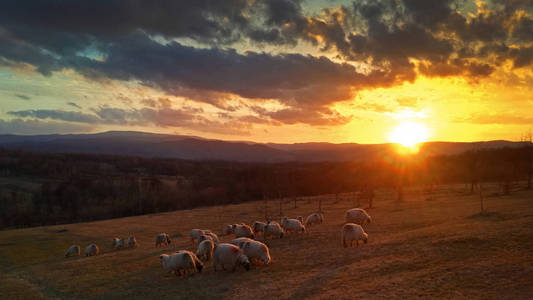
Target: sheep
pixel 162 239
pixel 204 237
pixel 300 218
pixel 197 262
pixel 258 227
pixel 256 250
pixel 120 244
pixel 74 250
pixel 114 242
pixel 91 250
pixel 178 262
pixel 316 218
pixel 243 230
pixel 357 216
pixel 195 234
pixel 353 232
pixel 292 225
pixel 213 236
pixel 239 242
pixel 132 242
pixel 229 229
pixel 205 249
pixel 228 255
pixel 273 229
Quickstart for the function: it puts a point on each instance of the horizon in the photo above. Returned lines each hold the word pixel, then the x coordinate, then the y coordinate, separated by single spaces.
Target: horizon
pixel 284 71
pixel 249 141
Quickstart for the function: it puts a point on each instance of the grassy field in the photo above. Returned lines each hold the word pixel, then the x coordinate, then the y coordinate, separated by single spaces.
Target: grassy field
pixel 428 246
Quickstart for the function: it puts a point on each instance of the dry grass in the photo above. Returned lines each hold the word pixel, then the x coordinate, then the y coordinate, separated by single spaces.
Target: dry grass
pixel 429 246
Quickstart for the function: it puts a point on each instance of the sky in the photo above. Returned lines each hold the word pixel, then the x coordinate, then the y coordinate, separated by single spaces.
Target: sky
pixel 269 70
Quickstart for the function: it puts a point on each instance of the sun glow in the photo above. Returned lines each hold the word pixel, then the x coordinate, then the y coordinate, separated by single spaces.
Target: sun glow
pixel 409 134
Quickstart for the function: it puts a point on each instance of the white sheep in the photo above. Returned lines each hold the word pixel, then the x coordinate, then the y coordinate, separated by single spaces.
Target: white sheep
pixel 229 229
pixel 74 250
pixel 243 230
pixel 231 256
pixel 205 249
pixel 292 225
pixel 357 216
pixel 239 242
pixel 273 229
pixel 316 218
pixel 213 236
pixel 300 218
pixel 198 263
pixel 353 232
pixel 204 237
pixel 162 239
pixel 114 242
pixel 258 227
pixel 256 250
pixel 132 241
pixel 91 250
pixel 178 262
pixel 195 234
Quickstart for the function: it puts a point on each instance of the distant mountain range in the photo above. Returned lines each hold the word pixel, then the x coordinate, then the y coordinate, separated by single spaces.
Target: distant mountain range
pixel 196 148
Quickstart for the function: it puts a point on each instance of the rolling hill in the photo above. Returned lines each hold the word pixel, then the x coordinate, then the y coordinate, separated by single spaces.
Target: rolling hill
pixel 196 148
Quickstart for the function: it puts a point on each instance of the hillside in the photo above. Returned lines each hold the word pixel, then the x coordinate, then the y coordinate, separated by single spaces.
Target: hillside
pixel 195 148
pixel 432 245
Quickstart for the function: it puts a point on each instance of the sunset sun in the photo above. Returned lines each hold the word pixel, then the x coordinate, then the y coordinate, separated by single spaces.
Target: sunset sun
pixel 409 134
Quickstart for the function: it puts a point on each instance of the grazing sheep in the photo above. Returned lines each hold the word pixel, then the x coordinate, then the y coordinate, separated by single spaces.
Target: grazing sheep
pixel 162 239
pixel 121 243
pixel 178 262
pixel 239 242
pixel 195 234
pixel 204 237
pixel 243 230
pixel 300 218
pixel 231 256
pixel 357 216
pixel 114 242
pixel 229 229
pixel 213 236
pixel 273 229
pixel 132 241
pixel 292 225
pixel 205 249
pixel 91 250
pixel 316 218
pixel 258 227
pixel 353 232
pixel 256 250
pixel 74 250
pixel 197 262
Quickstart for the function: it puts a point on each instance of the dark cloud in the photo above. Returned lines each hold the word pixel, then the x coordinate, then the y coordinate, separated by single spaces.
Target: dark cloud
pixel 33 126
pixel 211 20
pixel 74 105
pixel 394 41
pixel 23 97
pixel 62 115
pixel 162 117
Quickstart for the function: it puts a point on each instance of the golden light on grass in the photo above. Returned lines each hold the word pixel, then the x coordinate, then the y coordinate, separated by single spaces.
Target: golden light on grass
pixel 409 134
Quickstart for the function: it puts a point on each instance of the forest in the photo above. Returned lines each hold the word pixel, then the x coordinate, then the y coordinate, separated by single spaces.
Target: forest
pixel 50 188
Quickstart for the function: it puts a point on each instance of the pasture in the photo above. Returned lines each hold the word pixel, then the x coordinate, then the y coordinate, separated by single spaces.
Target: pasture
pixel 430 245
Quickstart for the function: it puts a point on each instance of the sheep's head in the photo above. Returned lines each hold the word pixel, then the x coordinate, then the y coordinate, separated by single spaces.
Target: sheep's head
pixel 199 265
pixel 244 261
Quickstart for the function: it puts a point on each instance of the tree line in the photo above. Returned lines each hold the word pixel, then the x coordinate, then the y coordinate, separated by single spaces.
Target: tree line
pixel 54 188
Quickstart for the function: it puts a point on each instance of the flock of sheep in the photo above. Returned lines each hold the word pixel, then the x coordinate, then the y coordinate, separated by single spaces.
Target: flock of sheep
pixel 244 249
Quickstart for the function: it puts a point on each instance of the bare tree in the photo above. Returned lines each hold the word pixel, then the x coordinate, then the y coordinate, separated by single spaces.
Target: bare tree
pixel 528 156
